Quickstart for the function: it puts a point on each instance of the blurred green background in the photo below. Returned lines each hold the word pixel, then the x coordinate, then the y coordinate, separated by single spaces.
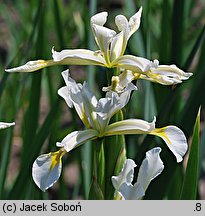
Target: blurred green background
pixel 172 31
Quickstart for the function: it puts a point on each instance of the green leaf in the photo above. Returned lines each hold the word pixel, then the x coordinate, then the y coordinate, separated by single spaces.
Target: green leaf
pixel 17 191
pixel 164 46
pixel 189 188
pixel 177 32
pixel 5 156
pixel 90 77
pixel 195 48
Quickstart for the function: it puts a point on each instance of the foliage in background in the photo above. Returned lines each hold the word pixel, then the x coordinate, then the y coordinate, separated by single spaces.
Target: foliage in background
pixel 172 31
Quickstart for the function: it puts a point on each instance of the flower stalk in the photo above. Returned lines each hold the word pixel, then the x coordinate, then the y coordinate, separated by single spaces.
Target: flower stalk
pixel 115 154
pixel 97 190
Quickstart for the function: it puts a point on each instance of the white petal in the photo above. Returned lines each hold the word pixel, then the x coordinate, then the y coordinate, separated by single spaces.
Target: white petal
pixel 4 125
pixel 150 168
pixel 122 25
pixel 172 135
pixel 65 57
pixel 77 138
pixel 43 175
pixel 119 42
pixel 99 18
pixel 164 80
pixel 111 104
pixel 125 176
pixel 125 95
pixel 117 45
pixel 134 22
pixel 81 98
pixel 63 92
pixel 166 75
pixel 131 192
pixel 125 78
pixel 130 27
pixel 77 57
pixel 133 63
pixel 175 140
pixel 130 126
pixel 32 66
pixel 72 94
pixel 171 71
pixel 103 37
pixel 106 108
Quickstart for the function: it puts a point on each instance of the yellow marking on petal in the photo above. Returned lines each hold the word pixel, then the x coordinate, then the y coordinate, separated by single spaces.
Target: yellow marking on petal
pixel 160 132
pixel 136 76
pixel 84 119
pixel 117 196
pixel 115 82
pixel 56 157
pixel 152 75
pixel 32 66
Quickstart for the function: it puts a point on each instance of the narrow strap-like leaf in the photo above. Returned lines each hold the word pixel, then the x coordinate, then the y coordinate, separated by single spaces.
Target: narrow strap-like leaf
pixel 189 188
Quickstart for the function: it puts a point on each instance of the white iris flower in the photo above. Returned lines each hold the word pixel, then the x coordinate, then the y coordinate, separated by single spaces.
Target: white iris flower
pixel 150 168
pixel 96 114
pixel 112 46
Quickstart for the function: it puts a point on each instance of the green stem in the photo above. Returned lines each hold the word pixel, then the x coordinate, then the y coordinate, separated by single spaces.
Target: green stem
pixel 115 155
pixel 98 181
pixel 115 151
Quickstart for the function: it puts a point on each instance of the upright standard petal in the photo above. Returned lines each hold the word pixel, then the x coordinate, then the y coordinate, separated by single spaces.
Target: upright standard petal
pixel 46 169
pixel 99 18
pixel 72 95
pixel 150 168
pixel 125 176
pixel 126 29
pixel 106 108
pixel 103 37
pixel 134 22
pixel 78 95
pixel 117 46
pixel 130 27
pixel 4 125
pixel 111 104
pixel 77 138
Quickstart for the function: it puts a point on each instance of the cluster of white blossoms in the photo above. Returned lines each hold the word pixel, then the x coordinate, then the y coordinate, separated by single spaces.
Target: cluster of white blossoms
pixel 96 114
